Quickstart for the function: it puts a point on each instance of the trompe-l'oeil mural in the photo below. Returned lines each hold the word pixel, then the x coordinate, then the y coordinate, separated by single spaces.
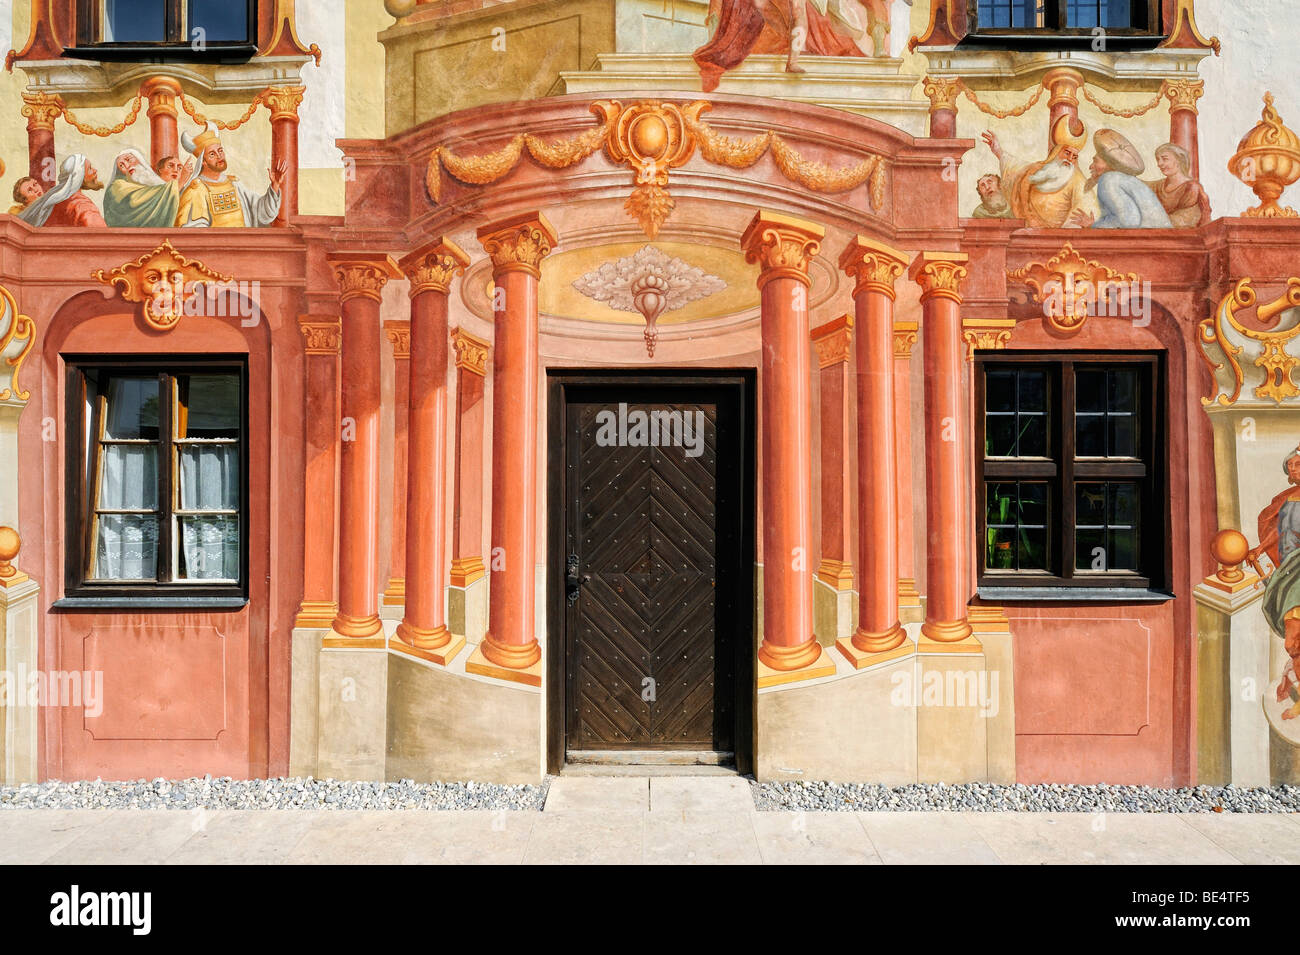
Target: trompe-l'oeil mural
pixel 1054 193
pixel 195 192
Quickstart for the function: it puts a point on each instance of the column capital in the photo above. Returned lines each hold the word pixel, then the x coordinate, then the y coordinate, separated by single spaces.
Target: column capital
pixel 904 339
pixel 833 341
pixel 942 91
pixel 283 101
pixel 161 92
pixel 433 265
pixel 471 352
pixel 1063 83
pixel 399 333
pixel 42 109
pixel 1183 94
pixel 323 334
pixel 939 274
pixel 986 334
pixel 362 273
pixel 782 245
pixel 519 244
pixel 874 265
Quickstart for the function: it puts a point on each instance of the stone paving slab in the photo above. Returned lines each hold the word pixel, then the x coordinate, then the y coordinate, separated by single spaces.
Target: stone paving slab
pixel 643 820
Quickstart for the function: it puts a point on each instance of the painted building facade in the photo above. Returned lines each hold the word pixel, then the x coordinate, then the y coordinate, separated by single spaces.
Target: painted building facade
pixel 845 390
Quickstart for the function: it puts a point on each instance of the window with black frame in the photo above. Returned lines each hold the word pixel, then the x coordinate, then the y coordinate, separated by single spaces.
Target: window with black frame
pixel 194 25
pixel 1069 471
pixel 158 480
pixel 1037 19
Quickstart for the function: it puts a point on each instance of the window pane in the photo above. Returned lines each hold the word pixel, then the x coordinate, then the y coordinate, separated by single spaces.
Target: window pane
pixel 126 547
pixel 132 411
pixel 1000 436
pixel 135 21
pixel 128 479
pixel 1090 436
pixel 1033 436
pixel 1085 14
pixel 1121 443
pixel 208 406
pixel 1106 406
pixel 1000 391
pixel 1017 517
pixel 1121 390
pixel 1010 13
pixel 1033 391
pixel 224 21
pixel 209 548
pixel 1106 525
pixel 1016 422
pixel 209 479
pixel 1089 390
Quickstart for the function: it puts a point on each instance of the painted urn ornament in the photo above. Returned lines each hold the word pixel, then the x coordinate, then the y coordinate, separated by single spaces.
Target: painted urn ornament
pixel 1268 160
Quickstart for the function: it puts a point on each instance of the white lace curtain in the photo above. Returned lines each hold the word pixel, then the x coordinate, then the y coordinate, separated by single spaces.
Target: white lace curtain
pixel 209 481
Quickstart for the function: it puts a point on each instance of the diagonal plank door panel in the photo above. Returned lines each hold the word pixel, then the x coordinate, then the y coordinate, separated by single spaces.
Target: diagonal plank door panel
pixel 642 633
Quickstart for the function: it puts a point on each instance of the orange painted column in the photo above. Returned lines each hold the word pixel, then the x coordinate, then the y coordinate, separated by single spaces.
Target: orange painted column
pixel 41 110
pixel 361 277
pixel 783 247
pixel 942 93
pixel 322 334
pixel 399 336
pixel 431 269
pixel 909 598
pixel 833 342
pixel 1063 85
pixel 1183 95
pixel 875 267
pixel 947 447
pixel 283 101
pixel 467 494
pixel 517 247
pixel 162 93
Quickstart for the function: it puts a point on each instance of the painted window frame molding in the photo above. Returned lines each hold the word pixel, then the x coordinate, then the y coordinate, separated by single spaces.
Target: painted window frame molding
pixel 81 591
pixel 1062 469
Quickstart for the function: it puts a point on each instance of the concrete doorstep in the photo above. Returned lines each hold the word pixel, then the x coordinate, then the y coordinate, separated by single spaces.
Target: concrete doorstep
pixel 640 820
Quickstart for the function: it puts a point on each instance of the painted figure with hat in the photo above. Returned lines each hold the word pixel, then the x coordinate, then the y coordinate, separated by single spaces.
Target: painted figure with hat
pixel 1126 201
pixel 1045 194
pixel 213 198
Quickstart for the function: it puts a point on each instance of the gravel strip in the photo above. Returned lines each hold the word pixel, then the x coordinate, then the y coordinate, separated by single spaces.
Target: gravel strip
pixel 978 797
pixel 302 793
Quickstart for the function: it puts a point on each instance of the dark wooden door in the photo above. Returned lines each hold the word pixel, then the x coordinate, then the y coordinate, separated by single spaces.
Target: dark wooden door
pixel 651 549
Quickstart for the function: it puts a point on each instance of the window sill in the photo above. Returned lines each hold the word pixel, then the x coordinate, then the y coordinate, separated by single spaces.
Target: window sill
pixel 1049 41
pixel 1128 595
pixel 158 53
pixel 115 602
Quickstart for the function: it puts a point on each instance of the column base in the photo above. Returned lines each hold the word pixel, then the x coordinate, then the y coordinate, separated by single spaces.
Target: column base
pixel 441 655
pixel 910 609
pixel 949 636
pixel 350 631
pixel 779 657
pixel 483 665
pixel 421 638
pixel 819 666
pixel 394 594
pixel 316 615
pixel 878 642
pixel 836 574
pixel 466 570
pixel 861 659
